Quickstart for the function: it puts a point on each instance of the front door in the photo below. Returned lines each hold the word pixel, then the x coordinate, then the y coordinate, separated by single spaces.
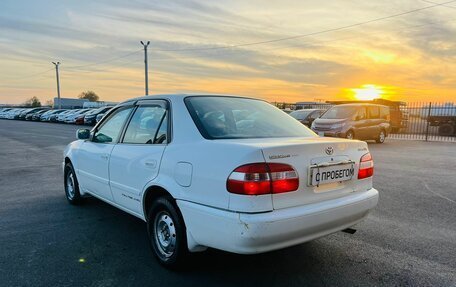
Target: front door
pixel 135 160
pixel 94 154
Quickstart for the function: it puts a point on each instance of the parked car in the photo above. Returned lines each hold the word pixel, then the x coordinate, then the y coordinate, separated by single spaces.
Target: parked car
pixel 90 118
pixel 201 177
pixel 55 118
pixel 26 112
pixel 360 121
pixel 77 117
pixel 307 116
pixel 62 117
pixel 4 112
pixel 35 116
pixel 46 117
pixel 12 113
pixel 100 116
pixel 20 114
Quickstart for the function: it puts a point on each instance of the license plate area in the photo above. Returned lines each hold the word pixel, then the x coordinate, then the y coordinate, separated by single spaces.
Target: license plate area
pixel 324 173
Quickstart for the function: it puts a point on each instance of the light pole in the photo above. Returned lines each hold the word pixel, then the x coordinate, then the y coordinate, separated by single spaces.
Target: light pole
pixel 58 82
pixel 145 66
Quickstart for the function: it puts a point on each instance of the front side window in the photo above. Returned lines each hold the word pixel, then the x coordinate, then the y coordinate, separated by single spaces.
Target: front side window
pixel 112 127
pixel 230 118
pixel 147 126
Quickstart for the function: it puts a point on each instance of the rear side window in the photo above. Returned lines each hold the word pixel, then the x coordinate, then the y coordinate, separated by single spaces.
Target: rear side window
pixel 147 126
pixel 340 112
pixel 361 114
pixel 230 118
pixel 374 112
pixel 384 112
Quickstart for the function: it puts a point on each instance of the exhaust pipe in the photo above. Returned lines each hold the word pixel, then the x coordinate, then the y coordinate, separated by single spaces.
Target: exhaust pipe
pixel 349 230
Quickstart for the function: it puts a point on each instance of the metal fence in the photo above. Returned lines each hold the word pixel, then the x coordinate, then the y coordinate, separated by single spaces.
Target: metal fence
pixel 411 121
pixel 428 121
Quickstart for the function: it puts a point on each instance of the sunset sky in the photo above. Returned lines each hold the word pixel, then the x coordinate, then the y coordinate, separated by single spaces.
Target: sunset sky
pixel 209 47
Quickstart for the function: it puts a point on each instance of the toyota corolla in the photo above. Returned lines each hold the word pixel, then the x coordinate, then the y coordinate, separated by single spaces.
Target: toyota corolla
pixel 224 172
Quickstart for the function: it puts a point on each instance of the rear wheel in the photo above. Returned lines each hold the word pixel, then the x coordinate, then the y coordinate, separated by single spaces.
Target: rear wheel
pixel 381 137
pixel 350 135
pixel 167 234
pixel 71 185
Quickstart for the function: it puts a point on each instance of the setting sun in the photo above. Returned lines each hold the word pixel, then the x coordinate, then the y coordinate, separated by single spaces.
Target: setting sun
pixel 368 92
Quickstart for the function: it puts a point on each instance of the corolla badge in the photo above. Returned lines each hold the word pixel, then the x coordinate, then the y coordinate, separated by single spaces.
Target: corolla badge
pixel 329 150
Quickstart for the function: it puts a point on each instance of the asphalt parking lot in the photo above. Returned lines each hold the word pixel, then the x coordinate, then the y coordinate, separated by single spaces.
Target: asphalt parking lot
pixel 408 240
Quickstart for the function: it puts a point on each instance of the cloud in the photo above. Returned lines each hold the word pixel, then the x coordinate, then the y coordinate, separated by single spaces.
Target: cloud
pixel 406 51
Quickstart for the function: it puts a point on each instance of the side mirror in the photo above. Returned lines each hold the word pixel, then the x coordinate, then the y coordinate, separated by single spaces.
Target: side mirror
pixel 83 134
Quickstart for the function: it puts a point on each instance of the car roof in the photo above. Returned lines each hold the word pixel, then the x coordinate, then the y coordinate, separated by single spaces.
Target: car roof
pixel 359 105
pixel 173 97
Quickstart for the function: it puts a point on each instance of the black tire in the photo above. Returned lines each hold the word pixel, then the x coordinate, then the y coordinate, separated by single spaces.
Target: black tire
pixel 350 135
pixel 71 185
pixel 446 130
pixel 381 137
pixel 170 244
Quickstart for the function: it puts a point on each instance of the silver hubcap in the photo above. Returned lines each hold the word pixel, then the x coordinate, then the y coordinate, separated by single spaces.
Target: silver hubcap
pixel 382 136
pixel 70 185
pixel 165 234
pixel 350 136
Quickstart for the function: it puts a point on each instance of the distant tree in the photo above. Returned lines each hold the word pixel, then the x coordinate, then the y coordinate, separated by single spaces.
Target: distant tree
pixel 32 102
pixel 89 95
pixel 49 103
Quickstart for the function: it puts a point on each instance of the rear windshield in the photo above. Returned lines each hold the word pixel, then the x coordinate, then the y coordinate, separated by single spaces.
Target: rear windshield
pixel 230 118
pixel 339 112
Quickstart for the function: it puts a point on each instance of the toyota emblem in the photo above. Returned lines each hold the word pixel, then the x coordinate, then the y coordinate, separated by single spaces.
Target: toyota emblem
pixel 329 150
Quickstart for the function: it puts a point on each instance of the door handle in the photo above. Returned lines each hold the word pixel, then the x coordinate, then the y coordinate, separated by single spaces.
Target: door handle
pixel 104 156
pixel 152 163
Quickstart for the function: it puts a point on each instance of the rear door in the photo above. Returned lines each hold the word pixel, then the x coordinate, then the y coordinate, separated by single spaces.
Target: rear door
pixel 374 122
pixel 135 160
pixel 361 123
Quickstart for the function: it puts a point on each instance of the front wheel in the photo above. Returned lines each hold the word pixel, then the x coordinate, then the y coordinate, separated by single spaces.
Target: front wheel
pixel 71 185
pixel 381 137
pixel 167 234
pixel 350 135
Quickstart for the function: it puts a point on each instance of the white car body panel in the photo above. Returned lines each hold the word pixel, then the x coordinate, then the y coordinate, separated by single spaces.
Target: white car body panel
pixel 250 233
pixel 93 169
pixel 131 167
pixel 194 171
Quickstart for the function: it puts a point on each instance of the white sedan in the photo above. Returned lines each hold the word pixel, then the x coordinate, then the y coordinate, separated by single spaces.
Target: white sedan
pixel 225 172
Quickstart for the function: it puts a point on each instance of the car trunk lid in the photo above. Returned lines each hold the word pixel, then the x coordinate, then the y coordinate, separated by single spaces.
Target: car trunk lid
pixel 303 154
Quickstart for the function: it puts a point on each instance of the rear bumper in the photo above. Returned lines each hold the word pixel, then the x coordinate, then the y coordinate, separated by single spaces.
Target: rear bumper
pixel 261 232
pixel 334 134
pixel 339 133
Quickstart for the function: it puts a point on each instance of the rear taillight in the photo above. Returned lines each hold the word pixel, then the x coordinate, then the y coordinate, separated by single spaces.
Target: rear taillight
pixel 366 166
pixel 263 178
